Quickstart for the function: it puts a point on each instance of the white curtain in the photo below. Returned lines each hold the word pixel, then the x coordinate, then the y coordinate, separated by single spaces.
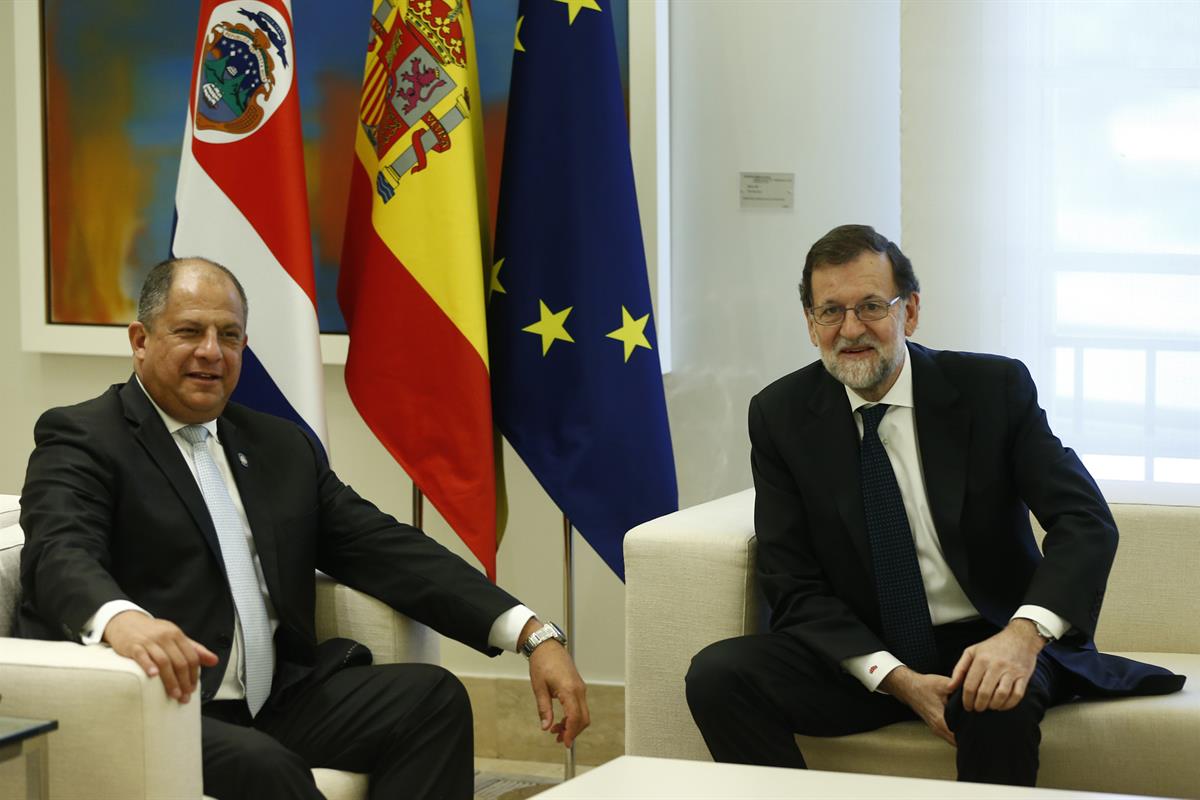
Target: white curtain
pixel 1050 161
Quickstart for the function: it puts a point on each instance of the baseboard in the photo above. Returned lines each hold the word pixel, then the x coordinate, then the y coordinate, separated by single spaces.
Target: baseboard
pixel 507 727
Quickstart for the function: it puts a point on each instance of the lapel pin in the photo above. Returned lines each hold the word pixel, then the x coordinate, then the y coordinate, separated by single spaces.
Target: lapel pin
pixel 242 458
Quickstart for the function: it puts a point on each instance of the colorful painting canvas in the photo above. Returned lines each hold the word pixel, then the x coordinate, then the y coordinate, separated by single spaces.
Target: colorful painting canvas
pixel 116 87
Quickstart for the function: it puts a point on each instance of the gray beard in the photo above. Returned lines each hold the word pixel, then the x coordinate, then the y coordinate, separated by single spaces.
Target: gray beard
pixel 863 374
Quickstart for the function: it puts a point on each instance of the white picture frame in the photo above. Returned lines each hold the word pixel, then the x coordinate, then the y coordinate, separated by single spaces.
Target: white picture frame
pixel 649 114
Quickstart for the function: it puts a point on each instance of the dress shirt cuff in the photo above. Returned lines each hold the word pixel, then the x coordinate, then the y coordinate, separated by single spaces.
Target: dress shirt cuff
pixel 92 631
pixel 1048 623
pixel 507 628
pixel 871 669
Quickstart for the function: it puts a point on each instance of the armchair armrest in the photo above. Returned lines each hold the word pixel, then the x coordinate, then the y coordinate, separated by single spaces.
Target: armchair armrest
pixel 689 581
pixel 119 735
pixel 392 637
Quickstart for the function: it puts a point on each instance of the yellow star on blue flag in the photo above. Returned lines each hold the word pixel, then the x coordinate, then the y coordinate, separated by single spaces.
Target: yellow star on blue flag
pixel 551 326
pixel 590 425
pixel 575 6
pixel 632 332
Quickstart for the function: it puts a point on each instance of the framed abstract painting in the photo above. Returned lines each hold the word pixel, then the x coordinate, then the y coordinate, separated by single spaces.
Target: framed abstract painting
pixel 99 137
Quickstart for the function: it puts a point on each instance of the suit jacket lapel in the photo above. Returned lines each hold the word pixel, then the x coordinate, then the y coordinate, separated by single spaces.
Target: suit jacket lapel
pixel 831 428
pixel 943 428
pixel 247 470
pixel 151 433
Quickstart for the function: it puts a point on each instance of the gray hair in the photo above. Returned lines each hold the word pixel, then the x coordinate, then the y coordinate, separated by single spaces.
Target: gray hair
pixel 152 300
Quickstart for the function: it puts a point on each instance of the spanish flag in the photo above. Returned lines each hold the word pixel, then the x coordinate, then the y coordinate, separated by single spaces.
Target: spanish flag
pixel 413 262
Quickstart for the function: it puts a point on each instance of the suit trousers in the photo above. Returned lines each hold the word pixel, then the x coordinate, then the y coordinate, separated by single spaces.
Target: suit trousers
pixel 407 725
pixel 751 694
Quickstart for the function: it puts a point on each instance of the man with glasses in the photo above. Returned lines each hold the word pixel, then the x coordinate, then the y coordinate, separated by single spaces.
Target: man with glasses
pixel 893 490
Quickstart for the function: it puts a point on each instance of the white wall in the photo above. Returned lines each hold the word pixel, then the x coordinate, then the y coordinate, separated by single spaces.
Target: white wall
pixel 950 149
pixel 804 87
pixel 757 86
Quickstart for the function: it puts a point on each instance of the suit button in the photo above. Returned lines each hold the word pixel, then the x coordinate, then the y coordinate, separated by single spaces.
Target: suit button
pixel 206 696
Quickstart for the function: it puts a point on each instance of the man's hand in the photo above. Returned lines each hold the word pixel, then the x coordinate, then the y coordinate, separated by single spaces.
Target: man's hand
pixel 554 677
pixel 924 694
pixel 160 648
pixel 995 673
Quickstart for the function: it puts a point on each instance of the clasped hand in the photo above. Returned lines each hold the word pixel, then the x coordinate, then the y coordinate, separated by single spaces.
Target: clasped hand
pixel 993 674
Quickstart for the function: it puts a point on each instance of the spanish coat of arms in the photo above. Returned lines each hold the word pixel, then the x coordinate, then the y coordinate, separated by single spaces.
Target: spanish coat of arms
pixel 410 102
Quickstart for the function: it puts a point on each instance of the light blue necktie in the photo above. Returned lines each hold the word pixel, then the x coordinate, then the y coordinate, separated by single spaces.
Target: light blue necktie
pixel 258 651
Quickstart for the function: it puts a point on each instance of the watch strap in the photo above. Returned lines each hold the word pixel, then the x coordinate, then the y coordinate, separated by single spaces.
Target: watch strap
pixel 545 633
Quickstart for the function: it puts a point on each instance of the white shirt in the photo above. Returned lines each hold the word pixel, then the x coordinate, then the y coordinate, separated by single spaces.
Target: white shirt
pixel 503 633
pixel 947 601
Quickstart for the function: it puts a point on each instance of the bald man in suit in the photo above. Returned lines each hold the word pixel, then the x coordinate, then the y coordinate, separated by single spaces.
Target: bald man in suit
pixel 198 562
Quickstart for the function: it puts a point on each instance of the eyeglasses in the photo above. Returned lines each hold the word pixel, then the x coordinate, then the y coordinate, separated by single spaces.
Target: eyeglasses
pixel 866 311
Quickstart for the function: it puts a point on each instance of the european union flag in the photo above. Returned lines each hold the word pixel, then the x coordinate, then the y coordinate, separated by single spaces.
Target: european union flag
pixel 576 382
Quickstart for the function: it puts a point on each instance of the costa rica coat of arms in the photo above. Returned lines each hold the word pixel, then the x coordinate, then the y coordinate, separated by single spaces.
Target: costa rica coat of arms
pixel 239 73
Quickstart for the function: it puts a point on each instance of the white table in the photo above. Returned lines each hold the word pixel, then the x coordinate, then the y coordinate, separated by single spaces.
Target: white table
pixel 630 777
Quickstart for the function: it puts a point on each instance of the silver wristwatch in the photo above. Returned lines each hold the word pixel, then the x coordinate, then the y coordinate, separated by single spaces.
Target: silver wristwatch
pixel 542 634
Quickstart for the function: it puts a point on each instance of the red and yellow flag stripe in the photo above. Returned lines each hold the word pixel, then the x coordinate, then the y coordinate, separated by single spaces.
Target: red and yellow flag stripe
pixel 413 263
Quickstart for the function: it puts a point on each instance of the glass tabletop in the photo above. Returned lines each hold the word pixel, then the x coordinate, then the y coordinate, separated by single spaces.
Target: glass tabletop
pixel 18 729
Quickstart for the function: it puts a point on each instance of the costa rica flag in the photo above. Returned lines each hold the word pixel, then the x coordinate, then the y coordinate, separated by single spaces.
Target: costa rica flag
pixel 240 199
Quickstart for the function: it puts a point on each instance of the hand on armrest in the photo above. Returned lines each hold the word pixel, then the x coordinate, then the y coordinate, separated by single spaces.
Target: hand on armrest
pixel 161 649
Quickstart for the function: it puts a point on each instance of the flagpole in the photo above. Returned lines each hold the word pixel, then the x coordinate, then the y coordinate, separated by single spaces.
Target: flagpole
pixel 569 621
pixel 418 508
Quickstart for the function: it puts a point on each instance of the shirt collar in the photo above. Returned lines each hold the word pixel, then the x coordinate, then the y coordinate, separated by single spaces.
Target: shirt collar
pixel 901 393
pixel 174 425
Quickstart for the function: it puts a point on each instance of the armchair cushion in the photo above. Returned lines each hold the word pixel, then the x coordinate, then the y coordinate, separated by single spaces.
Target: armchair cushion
pixel 119 735
pixel 11 540
pixel 392 638
pixel 689 579
pixel 1139 736
pixel 690 582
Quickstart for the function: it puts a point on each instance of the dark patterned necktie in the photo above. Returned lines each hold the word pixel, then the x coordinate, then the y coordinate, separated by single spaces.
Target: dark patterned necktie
pixel 907 627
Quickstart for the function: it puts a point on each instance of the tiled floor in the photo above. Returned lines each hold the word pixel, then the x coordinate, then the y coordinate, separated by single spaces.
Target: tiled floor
pixel 503 779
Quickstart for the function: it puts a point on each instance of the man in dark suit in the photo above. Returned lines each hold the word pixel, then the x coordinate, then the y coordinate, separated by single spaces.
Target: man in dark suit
pixel 198 562
pixel 893 488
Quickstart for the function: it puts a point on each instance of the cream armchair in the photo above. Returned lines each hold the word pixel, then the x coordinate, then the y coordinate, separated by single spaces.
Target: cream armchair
pixel 119 736
pixel 690 581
